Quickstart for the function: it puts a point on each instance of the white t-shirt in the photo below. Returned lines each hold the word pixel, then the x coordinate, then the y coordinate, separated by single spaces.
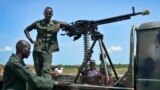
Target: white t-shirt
pixel 58 71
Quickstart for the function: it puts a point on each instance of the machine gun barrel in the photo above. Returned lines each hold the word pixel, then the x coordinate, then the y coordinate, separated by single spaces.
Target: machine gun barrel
pixel 119 18
pixel 80 27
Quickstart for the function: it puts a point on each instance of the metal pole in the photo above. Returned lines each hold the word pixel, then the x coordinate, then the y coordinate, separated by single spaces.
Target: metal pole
pixel 104 62
pixel 109 59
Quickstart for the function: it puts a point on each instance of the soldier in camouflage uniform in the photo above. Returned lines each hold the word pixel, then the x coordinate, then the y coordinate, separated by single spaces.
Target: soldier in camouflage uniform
pixel 46 42
pixel 18 77
pixel 16 74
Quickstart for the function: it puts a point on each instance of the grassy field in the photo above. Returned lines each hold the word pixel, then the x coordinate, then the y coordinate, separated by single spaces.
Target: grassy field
pixel 72 70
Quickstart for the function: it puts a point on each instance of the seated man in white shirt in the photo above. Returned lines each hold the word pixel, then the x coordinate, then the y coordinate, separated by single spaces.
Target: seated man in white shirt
pixel 57 71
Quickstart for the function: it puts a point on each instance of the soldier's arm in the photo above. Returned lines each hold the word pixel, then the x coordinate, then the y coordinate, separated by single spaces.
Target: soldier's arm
pixel 38 82
pixel 28 29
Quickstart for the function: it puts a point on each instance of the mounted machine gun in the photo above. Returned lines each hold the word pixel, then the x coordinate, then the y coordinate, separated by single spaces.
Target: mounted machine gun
pixel 90 27
pixel 79 27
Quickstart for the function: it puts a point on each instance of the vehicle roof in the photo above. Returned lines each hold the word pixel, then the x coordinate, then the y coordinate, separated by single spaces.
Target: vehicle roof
pixel 149 25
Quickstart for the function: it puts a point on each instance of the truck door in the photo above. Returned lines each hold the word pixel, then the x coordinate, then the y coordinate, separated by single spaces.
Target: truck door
pixel 147 69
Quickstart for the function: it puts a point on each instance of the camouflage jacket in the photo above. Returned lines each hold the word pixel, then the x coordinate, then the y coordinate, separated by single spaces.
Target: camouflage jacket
pixel 46 36
pixel 16 76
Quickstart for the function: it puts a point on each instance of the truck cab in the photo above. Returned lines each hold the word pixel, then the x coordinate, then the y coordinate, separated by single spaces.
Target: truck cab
pixel 147 58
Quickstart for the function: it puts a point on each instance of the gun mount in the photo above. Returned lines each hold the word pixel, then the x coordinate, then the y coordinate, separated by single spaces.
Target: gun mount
pixel 79 27
pixel 90 27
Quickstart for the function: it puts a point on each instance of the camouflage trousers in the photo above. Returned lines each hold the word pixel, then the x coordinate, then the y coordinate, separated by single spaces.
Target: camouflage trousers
pixel 42 63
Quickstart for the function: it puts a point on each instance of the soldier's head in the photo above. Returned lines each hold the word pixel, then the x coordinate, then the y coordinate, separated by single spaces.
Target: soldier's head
pixel 92 64
pixel 48 12
pixel 23 48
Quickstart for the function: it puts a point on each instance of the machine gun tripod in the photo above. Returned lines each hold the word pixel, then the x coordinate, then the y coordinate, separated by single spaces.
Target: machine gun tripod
pixel 96 36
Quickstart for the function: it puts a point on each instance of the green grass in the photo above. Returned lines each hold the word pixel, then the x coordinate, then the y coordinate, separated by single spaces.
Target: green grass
pixel 70 71
pixel 121 71
pixel 73 70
